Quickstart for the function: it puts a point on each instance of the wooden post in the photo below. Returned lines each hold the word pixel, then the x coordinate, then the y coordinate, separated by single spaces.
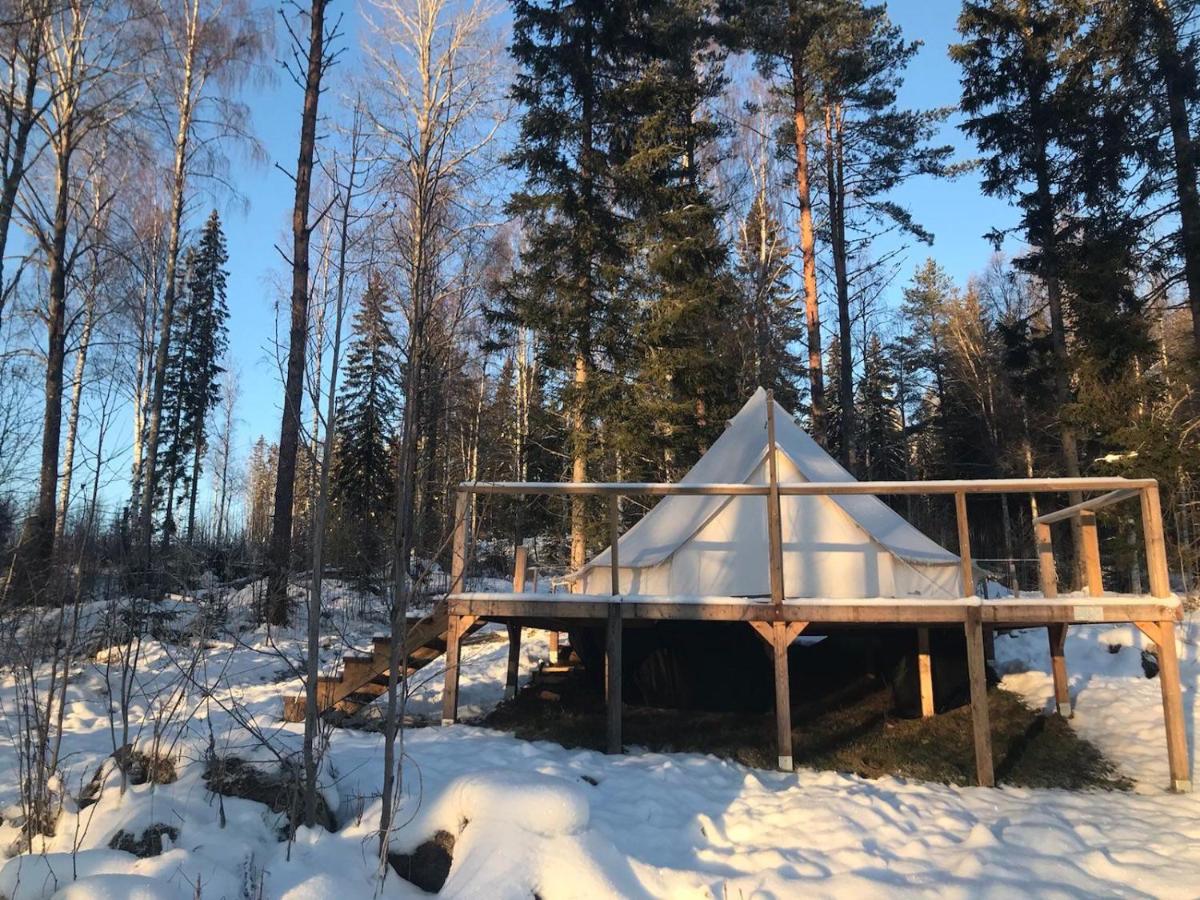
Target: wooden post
pixel 774 516
pixel 1045 550
pixel 964 544
pixel 458 557
pixel 1091 553
pixel 1172 697
pixel 925 672
pixel 612 661
pixel 783 695
pixel 980 719
pixel 1058 668
pixel 1156 545
pixel 453 657
pixel 520 561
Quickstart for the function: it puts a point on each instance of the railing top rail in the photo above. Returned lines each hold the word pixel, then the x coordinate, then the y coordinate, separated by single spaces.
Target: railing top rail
pixel 808 488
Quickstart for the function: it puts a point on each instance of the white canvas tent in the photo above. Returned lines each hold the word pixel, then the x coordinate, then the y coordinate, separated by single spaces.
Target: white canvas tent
pixel 849 546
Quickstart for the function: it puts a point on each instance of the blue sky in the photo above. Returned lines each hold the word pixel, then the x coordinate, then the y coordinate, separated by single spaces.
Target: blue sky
pixel 955 211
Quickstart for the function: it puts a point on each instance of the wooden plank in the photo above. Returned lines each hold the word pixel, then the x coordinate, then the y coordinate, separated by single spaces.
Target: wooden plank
pixel 967 572
pixel 765 630
pixel 1082 610
pixel 1091 553
pixel 1058 668
pixel 1172 697
pixel 514 661
pixel 520 564
pixel 774 523
pixel 980 719
pixel 1156 545
pixel 1045 550
pixel 794 629
pixel 783 698
pixel 925 673
pixel 458 553
pixel 614 550
pixel 453 657
pixel 612 662
pixel 791 489
pixel 1150 630
pixel 1095 503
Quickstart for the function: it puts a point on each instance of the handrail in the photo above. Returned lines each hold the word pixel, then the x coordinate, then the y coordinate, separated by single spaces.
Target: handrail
pixel 1095 503
pixel 805 488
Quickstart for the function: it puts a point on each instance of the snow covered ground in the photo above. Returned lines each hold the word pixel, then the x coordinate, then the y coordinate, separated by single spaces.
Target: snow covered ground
pixel 535 818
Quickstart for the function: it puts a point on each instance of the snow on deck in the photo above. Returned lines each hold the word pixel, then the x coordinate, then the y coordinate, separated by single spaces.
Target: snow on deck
pixel 575 823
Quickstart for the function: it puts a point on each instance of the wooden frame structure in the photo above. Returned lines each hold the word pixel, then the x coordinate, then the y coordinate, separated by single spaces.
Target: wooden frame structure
pixel 778 620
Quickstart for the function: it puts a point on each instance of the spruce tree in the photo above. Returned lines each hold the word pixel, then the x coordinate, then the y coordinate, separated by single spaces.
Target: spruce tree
pixel 684 375
pixel 571 58
pixel 363 476
pixel 881 447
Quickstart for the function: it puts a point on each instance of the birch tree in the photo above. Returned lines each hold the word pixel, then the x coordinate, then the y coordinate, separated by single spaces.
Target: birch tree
pixel 436 67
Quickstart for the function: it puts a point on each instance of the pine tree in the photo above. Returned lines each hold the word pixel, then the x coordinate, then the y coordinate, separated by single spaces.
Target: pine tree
pixel 363 477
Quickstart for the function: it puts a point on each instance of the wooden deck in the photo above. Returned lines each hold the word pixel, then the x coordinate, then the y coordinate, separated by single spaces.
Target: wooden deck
pixel 779 620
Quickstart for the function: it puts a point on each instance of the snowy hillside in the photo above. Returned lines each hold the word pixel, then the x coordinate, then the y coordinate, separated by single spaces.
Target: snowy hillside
pixel 532 818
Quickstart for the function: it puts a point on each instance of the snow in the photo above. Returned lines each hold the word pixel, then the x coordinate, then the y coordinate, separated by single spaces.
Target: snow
pixel 532 817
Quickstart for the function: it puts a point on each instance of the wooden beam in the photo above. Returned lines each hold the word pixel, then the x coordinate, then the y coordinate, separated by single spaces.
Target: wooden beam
pixel 453 658
pixel 794 629
pixel 458 557
pixel 1156 545
pixel 964 544
pixel 980 719
pixel 774 523
pixel 925 673
pixel 783 698
pixel 1172 698
pixel 1150 630
pixel 765 630
pixel 1058 668
pixel 808 488
pixel 1045 550
pixel 1091 553
pixel 612 663
pixel 1095 503
pixel 520 563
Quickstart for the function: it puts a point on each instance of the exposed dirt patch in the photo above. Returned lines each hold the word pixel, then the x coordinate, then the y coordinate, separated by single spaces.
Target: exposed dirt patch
pixel 279 789
pixel 149 843
pixel 428 866
pixel 854 728
pixel 139 768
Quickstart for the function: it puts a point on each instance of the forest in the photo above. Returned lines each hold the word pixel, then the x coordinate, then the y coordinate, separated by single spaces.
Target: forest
pixel 560 241
pixel 566 241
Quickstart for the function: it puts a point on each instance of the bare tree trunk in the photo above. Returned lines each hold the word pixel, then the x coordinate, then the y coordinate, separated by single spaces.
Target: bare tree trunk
pixel 1176 80
pixel 837 227
pixel 68 463
pixel 321 498
pixel 26 117
pixel 808 250
pixel 280 556
pixel 178 186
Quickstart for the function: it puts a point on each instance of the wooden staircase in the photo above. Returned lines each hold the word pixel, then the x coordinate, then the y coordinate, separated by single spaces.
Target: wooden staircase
pixel 365 678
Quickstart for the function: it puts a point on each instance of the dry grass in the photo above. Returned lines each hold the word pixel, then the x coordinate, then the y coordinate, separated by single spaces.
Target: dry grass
pixel 852 729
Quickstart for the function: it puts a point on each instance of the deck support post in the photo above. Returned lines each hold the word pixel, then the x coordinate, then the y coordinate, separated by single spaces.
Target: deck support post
pixel 453 657
pixel 925 672
pixel 980 719
pixel 520 562
pixel 612 665
pixel 783 696
pixel 1058 668
pixel 964 544
pixel 1172 698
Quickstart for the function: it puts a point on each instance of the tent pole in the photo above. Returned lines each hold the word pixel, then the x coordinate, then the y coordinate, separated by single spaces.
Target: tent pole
pixel 774 525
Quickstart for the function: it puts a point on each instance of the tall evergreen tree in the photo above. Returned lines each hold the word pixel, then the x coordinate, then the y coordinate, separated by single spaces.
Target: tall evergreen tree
pixel 684 375
pixel 571 58
pixel 363 478
pixel 881 447
pixel 198 343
